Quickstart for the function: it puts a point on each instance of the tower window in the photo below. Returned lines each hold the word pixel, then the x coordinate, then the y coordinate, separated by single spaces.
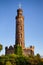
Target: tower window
pixel 20 35
pixel 20 27
pixel 20 43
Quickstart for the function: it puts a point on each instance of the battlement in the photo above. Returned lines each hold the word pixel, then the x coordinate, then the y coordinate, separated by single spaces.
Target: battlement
pixel 32 46
pixel 29 50
pixel 10 47
pixel 9 50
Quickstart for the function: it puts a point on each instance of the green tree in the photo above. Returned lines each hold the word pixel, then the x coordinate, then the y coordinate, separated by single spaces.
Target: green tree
pixel 18 50
pixel 8 63
pixel 1 47
pixel 37 59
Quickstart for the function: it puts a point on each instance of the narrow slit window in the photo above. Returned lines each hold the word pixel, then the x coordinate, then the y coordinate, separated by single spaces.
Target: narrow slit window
pixel 20 27
pixel 20 35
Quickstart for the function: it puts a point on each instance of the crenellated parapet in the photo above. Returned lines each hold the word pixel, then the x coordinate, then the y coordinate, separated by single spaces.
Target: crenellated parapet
pixel 9 50
pixel 29 50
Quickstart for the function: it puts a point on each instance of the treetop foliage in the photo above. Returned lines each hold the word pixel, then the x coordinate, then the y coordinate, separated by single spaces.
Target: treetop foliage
pixel 14 59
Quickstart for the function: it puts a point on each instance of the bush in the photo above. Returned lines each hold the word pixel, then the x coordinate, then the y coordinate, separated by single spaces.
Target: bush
pixel 18 50
pixel 8 63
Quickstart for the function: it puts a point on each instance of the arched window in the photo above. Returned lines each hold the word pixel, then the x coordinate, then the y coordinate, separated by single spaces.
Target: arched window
pixel 20 43
pixel 20 35
pixel 20 27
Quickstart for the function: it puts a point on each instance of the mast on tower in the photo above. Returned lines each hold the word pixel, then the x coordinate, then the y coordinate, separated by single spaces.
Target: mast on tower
pixel 20 5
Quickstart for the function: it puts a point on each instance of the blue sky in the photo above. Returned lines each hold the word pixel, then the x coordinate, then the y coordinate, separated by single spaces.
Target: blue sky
pixel 33 23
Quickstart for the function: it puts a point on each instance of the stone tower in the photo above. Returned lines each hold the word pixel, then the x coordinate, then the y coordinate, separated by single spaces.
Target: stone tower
pixel 19 37
pixel 20 29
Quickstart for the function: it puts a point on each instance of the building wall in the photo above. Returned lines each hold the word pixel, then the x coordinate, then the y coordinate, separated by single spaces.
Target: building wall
pixel 26 51
pixel 9 50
